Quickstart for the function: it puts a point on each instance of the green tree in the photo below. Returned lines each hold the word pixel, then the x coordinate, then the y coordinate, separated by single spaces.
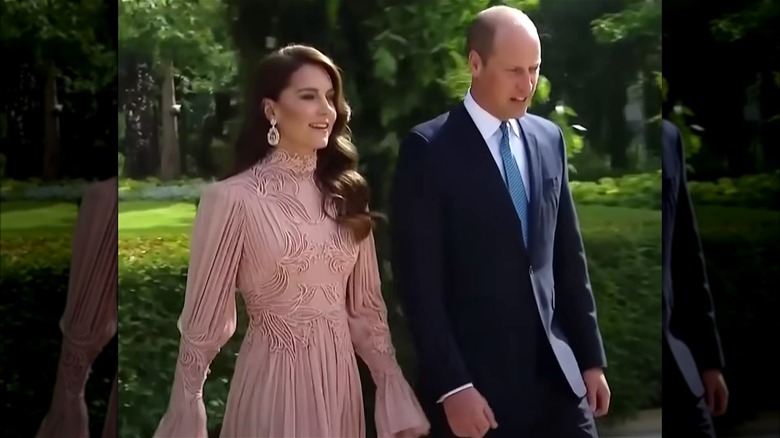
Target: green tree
pixel 50 45
pixel 163 40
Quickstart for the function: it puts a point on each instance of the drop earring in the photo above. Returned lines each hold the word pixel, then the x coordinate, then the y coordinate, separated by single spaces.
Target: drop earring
pixel 273 133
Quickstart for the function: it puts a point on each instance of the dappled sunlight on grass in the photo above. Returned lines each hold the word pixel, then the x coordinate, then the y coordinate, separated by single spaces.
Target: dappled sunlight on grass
pixel 165 218
pixel 36 219
pixel 31 216
pixel 153 218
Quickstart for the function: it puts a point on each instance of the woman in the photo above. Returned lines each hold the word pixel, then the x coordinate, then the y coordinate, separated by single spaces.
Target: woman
pixel 291 230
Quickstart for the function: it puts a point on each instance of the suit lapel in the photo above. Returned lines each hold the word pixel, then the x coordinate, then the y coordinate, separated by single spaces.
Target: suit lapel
pixel 534 157
pixel 484 172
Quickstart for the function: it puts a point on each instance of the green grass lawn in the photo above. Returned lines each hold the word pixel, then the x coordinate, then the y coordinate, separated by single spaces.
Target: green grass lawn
pixel 157 218
pixel 154 217
pixel 140 218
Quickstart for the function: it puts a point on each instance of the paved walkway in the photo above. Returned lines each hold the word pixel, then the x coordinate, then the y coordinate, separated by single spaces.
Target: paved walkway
pixel 648 425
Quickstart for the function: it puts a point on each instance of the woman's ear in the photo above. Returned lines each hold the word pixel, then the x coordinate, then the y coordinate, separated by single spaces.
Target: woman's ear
pixel 268 109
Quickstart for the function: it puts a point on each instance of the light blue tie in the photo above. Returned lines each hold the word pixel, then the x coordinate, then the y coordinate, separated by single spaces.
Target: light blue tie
pixel 514 181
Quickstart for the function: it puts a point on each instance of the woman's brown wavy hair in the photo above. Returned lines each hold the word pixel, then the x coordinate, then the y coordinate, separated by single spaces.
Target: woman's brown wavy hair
pixel 336 173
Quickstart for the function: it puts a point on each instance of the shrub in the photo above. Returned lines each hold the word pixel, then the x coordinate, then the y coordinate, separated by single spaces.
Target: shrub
pixel 644 191
pixel 153 276
pixel 152 281
pixel 753 191
pixel 623 247
pixel 638 191
pixel 34 280
pixel 742 248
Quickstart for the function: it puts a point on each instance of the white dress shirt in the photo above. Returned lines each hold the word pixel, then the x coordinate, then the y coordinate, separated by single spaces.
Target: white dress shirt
pixel 490 129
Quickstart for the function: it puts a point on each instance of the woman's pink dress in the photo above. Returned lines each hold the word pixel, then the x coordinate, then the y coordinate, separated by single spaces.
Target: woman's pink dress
pixel 90 319
pixel 314 300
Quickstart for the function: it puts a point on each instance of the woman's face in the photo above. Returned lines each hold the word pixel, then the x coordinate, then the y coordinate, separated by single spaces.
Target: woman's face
pixel 305 112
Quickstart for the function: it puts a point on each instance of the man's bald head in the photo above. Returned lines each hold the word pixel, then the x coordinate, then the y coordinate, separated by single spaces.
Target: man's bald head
pixel 492 21
pixel 504 57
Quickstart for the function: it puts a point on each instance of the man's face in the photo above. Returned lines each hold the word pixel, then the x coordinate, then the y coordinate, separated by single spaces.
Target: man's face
pixel 508 77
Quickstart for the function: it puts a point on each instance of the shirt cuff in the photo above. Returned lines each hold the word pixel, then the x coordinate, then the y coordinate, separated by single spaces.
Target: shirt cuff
pixel 455 391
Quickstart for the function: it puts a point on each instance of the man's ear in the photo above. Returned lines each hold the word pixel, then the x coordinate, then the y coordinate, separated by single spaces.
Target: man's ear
pixel 475 63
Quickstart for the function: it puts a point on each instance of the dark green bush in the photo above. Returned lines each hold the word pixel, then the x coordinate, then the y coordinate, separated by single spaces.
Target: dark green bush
pixel 742 248
pixel 623 247
pixel 644 191
pixel 34 280
pixel 152 286
pixel 751 191
pixel 638 191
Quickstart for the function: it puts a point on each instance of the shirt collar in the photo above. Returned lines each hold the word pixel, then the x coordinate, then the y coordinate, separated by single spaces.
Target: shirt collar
pixel 486 123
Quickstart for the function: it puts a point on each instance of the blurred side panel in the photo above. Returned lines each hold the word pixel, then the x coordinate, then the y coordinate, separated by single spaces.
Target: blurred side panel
pixel 721 65
pixel 58 218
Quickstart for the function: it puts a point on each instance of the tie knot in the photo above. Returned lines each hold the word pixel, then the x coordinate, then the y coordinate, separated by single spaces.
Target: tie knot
pixel 505 129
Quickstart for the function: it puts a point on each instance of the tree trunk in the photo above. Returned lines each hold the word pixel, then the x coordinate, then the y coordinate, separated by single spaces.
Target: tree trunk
pixel 51 110
pixel 170 160
pixel 140 158
pixel 770 129
pixel 24 118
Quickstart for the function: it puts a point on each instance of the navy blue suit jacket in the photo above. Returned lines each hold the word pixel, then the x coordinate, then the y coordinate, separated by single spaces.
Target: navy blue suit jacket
pixel 470 288
pixel 687 313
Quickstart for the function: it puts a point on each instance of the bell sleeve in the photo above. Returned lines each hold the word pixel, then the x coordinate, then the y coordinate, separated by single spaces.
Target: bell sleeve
pixel 208 319
pixel 89 320
pixel 397 409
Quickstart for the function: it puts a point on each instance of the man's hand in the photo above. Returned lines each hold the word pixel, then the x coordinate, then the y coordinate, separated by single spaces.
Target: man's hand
pixel 716 391
pixel 468 414
pixel 598 391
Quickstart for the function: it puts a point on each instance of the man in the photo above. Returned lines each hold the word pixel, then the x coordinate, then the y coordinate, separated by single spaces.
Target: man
pixel 488 258
pixel 690 338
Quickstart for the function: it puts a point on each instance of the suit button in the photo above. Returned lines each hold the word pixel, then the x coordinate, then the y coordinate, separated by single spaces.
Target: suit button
pixel 531 270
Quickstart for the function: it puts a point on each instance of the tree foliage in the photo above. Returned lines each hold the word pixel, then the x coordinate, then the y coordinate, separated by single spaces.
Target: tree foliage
pixel 74 36
pixel 193 34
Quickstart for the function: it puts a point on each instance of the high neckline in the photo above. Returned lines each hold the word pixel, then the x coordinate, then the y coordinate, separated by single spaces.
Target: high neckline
pixel 303 165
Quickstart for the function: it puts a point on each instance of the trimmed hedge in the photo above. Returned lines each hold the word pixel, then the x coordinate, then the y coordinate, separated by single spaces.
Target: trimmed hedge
pixel 152 284
pixel 34 281
pixel 638 191
pixel 623 248
pixel 644 191
pixel 742 247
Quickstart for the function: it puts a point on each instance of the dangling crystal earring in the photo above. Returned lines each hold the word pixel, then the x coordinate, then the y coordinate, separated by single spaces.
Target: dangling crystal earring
pixel 273 134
